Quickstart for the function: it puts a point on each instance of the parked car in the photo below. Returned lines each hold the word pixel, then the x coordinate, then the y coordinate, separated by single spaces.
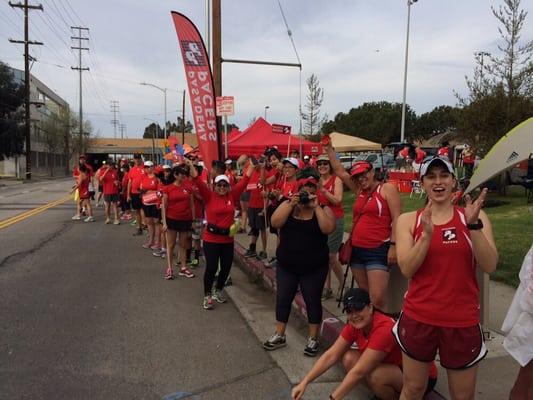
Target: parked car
pixel 380 160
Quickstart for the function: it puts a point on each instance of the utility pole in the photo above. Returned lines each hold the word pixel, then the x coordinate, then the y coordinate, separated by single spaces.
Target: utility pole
pixel 122 128
pixel 114 121
pixel 183 118
pixel 27 44
pixel 217 64
pixel 79 68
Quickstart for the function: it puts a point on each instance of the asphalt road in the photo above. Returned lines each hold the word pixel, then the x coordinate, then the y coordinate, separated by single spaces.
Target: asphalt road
pixel 86 314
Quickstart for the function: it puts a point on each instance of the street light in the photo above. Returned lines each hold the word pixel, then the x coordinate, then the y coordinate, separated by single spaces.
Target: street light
pixel 164 90
pixel 153 136
pixel 409 4
pixel 266 108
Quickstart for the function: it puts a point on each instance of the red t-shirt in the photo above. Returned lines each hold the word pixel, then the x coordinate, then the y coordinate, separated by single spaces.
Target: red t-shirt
pixel 149 182
pixel 220 210
pixel 404 152
pixel 89 173
pixel 372 220
pixel 380 338
pixel 420 155
pixel 108 181
pixel 323 200
pixel 288 188
pixel 178 201
pixel 444 290
pixel 255 188
pixel 198 212
pixel 135 175
pixel 443 151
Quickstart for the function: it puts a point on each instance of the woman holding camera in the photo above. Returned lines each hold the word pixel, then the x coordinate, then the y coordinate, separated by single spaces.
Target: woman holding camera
pixel 375 211
pixel 220 205
pixel 302 256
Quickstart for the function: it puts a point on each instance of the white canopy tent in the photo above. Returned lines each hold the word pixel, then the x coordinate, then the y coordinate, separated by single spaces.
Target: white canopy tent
pixel 346 143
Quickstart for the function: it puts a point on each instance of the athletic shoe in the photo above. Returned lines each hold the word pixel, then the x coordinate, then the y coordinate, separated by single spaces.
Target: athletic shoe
pixel 229 282
pixel 327 294
pixel 161 253
pixel 116 222
pixel 219 296
pixel 208 303
pixel 89 219
pixel 250 253
pixel 311 349
pixel 134 222
pixel 107 221
pixel 76 217
pixel 194 263
pixel 147 245
pixel 262 255
pixel 169 275
pixel 275 342
pixel 186 273
pixel 272 263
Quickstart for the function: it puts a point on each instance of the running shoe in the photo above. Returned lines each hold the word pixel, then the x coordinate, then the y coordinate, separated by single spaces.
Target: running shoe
pixel 169 275
pixel 186 273
pixel 76 217
pixel 160 253
pixel 147 245
pixel 134 222
pixel 327 294
pixel 275 342
pixel 219 296
pixel 311 349
pixel 116 222
pixel 208 303
pixel 89 219
pixel 262 255
pixel 107 221
pixel 194 263
pixel 250 253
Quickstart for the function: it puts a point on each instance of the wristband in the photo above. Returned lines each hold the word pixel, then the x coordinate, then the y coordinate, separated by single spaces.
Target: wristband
pixel 392 243
pixel 476 226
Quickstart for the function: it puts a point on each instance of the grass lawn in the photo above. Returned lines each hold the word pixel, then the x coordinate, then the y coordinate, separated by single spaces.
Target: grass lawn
pixel 512 224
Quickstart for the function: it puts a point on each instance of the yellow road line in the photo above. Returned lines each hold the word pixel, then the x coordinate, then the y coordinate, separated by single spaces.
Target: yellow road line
pixel 20 217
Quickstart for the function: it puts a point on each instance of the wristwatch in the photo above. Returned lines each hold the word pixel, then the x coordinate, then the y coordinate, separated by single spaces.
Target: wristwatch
pixel 475 227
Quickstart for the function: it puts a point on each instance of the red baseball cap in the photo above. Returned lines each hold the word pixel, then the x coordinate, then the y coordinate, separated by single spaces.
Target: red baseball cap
pixel 359 167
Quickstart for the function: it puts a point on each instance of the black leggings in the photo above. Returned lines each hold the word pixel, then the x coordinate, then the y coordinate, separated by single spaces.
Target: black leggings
pixel 215 252
pixel 311 285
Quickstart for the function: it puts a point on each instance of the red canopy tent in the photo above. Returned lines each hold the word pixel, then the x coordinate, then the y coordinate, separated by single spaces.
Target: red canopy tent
pixel 258 136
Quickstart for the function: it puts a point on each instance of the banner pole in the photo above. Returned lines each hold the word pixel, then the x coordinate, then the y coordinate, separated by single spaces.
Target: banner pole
pixel 226 136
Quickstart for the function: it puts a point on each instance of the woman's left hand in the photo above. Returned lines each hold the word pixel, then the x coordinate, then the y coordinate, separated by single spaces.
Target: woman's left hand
pixel 313 201
pixel 473 208
pixel 391 256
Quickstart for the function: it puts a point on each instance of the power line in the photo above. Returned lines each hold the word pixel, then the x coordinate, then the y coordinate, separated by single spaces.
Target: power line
pixel 80 69
pixel 114 121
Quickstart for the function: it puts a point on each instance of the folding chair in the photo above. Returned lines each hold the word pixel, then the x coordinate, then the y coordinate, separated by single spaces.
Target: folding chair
pixel 416 188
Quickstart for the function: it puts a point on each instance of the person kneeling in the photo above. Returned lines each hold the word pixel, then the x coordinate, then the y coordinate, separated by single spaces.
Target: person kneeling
pixel 378 357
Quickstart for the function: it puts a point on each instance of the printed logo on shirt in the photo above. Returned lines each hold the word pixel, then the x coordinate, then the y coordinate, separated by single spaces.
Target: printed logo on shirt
pixel 449 235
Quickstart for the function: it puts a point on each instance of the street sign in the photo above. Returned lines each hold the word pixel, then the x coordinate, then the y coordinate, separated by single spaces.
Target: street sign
pixel 225 106
pixel 276 128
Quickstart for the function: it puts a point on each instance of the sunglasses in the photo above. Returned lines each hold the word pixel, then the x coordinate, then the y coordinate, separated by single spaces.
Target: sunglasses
pixel 222 185
pixel 322 163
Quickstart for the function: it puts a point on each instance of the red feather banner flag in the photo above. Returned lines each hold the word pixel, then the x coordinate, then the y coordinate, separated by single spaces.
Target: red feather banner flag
pixel 200 83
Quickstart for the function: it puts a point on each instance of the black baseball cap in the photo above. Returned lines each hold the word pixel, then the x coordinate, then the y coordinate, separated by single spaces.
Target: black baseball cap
pixel 355 299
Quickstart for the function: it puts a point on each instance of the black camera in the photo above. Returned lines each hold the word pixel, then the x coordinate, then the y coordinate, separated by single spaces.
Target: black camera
pixel 304 197
pixel 262 160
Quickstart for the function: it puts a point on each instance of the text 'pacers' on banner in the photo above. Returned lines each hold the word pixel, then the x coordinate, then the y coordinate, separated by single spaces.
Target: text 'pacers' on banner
pixel 200 83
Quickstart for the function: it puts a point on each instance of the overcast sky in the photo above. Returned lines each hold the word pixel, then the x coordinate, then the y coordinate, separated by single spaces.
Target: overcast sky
pixel 355 47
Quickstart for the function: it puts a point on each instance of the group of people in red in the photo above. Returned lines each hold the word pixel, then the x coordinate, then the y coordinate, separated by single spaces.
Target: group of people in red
pixel 438 248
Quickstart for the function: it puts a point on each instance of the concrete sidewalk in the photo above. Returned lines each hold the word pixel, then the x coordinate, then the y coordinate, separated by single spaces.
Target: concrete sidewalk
pixel 496 373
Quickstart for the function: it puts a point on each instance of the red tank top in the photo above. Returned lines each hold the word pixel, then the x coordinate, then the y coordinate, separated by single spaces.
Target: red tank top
pixel 323 200
pixel 372 219
pixel 444 290
pixel 83 188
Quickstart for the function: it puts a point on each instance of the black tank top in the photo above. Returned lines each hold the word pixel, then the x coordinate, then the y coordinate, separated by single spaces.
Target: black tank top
pixel 303 247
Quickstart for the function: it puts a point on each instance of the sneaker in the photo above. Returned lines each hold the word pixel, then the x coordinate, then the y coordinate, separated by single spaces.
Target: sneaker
pixel 327 294
pixel 275 342
pixel 250 253
pixel 89 219
pixel 262 255
pixel 219 296
pixel 76 217
pixel 134 222
pixel 311 349
pixel 169 275
pixel 107 221
pixel 116 222
pixel 229 282
pixel 161 253
pixel 186 273
pixel 194 263
pixel 147 245
pixel 208 303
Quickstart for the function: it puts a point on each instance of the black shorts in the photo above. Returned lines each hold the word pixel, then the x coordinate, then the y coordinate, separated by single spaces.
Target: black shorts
pixel 151 211
pixel 245 196
pixel 100 189
pixel 111 198
pixel 179 225
pixel 136 203
pixel 256 218
pixel 270 211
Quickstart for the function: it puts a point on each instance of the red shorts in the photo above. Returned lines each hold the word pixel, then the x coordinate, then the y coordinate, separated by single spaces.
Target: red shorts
pixel 459 348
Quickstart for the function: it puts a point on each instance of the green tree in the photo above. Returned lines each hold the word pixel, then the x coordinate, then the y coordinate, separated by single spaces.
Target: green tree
pixel 313 120
pixel 374 121
pixel 439 120
pixel 51 138
pixel 11 114
pixel 153 130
